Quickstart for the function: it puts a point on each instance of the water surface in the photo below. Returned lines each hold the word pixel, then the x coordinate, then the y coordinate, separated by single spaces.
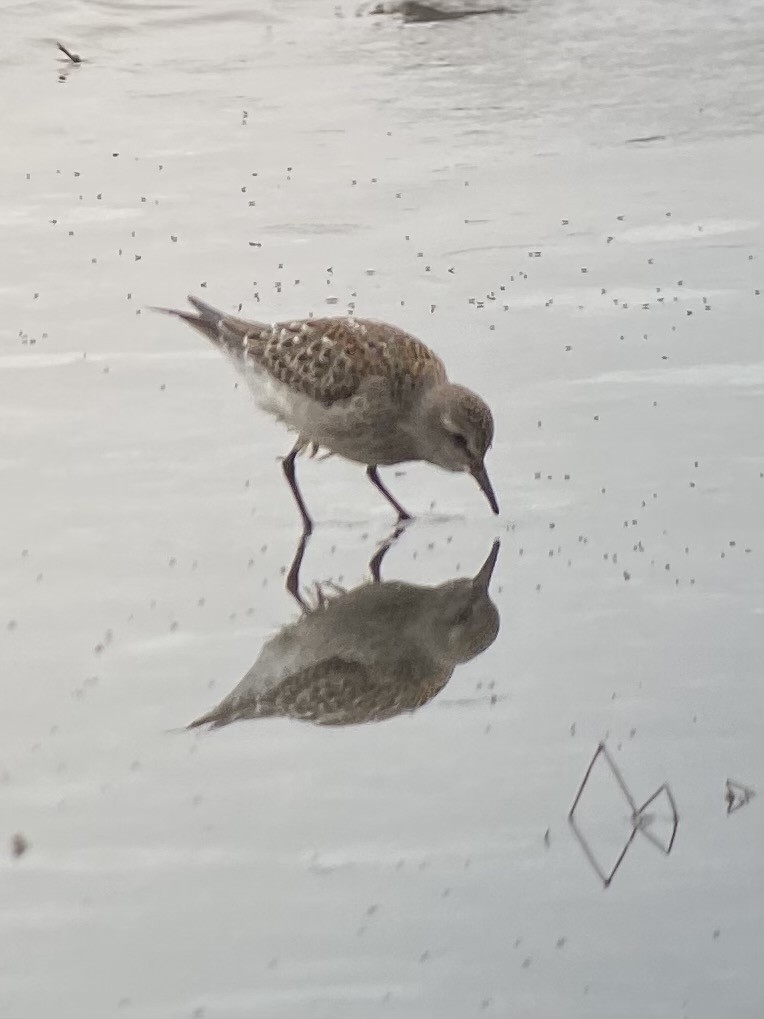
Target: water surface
pixel 566 203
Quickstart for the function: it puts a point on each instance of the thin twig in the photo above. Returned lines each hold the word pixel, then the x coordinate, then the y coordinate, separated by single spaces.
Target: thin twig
pixel 74 57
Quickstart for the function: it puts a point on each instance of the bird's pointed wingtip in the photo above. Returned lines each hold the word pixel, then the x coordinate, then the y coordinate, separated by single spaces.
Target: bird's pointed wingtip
pixel 209 718
pixel 195 302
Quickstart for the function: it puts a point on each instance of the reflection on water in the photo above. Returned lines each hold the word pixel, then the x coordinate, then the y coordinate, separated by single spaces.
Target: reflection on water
pixel 365 655
pixel 641 820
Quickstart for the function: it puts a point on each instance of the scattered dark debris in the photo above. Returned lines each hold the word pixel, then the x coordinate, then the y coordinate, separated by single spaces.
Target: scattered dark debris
pixel 19 844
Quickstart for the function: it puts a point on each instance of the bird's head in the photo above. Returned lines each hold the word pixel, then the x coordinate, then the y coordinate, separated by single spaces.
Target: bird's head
pixel 467 621
pixel 456 432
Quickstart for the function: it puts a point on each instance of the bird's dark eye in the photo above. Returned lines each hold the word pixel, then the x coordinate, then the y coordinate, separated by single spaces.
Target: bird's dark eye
pixel 460 440
pixel 463 617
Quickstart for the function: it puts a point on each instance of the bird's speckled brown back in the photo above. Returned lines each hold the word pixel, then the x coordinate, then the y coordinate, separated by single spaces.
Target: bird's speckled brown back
pixel 329 358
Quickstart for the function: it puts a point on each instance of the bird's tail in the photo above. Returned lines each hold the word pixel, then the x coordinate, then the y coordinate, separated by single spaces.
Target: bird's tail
pixel 225 331
pixel 212 718
pixel 231 711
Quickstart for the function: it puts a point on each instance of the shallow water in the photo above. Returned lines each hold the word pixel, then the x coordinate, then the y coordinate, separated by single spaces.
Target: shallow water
pixel 483 184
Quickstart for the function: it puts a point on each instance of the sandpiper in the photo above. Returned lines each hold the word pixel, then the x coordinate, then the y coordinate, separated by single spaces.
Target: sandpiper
pixel 365 655
pixel 360 389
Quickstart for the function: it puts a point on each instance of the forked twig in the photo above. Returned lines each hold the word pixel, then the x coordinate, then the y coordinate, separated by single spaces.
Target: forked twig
pixel 637 816
pixel 736 795
pixel 604 878
pixel 602 749
pixel 675 819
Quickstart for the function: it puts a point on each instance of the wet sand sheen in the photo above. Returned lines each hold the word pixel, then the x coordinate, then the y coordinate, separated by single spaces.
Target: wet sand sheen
pixel 478 184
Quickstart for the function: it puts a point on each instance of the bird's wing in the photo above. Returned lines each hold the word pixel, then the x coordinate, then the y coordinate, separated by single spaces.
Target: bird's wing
pixel 329 359
pixel 334 691
pixel 321 692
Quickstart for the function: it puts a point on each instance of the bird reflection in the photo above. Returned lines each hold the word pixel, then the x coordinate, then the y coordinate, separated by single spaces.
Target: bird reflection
pixel 382 649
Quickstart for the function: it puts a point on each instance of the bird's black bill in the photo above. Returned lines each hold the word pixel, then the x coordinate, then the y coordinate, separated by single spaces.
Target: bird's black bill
pixel 482 578
pixel 480 475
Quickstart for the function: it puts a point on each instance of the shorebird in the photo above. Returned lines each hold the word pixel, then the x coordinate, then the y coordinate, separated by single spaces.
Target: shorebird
pixel 413 10
pixel 365 655
pixel 360 389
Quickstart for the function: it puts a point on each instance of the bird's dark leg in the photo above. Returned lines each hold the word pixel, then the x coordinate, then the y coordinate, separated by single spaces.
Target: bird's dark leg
pixel 289 472
pixel 375 564
pixel 293 577
pixel 371 474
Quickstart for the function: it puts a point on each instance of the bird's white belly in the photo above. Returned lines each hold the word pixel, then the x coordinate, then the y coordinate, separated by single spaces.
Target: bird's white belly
pixel 274 397
pixel 348 430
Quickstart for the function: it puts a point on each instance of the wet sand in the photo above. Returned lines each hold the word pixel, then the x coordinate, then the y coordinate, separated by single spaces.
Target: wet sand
pixel 488 185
